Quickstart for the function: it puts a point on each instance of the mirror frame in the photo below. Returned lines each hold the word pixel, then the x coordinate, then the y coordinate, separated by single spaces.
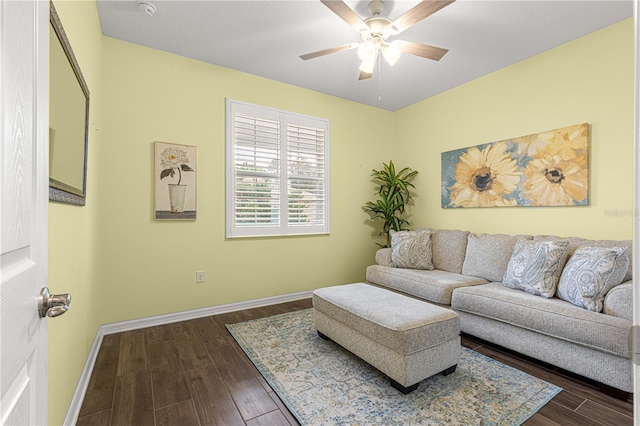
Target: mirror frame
pixel 60 191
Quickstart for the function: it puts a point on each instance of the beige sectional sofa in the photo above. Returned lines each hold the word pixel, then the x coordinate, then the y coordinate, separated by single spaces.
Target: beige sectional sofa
pixel 467 276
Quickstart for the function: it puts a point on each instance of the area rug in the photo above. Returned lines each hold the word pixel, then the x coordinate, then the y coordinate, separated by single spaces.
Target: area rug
pixel 323 384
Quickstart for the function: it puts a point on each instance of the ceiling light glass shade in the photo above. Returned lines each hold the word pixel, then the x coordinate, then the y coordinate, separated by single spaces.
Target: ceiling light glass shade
pixel 367 50
pixel 391 52
pixel 368 64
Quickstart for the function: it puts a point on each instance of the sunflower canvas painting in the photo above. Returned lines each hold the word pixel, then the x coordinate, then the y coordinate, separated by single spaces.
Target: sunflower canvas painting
pixel 542 169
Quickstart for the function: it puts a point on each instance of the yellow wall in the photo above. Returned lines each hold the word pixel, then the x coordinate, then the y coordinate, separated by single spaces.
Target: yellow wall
pixel 139 267
pixel 587 80
pixel 149 266
pixel 72 229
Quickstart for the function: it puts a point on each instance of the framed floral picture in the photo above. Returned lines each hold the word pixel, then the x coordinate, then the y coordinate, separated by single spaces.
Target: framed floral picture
pixel 542 169
pixel 175 181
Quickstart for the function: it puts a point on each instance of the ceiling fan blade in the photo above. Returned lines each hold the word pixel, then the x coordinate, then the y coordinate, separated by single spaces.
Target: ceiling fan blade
pixel 364 75
pixel 418 13
pixel 347 14
pixel 422 50
pixel 312 55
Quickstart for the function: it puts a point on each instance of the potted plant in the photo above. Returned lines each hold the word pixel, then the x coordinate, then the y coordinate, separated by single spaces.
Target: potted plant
pixel 394 194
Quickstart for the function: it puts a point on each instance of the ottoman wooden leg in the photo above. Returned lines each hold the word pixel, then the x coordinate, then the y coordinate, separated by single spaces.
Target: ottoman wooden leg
pixel 449 370
pixel 404 390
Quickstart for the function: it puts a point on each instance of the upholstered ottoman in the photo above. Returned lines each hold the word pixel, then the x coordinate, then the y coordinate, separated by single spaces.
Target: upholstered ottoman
pixel 405 338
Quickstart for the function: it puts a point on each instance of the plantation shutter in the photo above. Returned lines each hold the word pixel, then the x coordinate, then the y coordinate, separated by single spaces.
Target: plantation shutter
pixel 257 179
pixel 277 180
pixel 306 164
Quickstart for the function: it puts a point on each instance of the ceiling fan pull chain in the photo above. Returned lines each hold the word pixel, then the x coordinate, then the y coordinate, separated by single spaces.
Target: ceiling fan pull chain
pixel 379 78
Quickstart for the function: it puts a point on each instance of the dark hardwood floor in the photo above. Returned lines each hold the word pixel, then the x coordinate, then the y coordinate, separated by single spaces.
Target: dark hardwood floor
pixel 194 373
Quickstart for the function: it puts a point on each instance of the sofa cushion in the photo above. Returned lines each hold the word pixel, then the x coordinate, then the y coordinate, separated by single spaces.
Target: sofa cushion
pixel 435 286
pixel 448 247
pixel 411 249
pixel 488 255
pixel 535 266
pixel 590 274
pixel 575 242
pixel 552 317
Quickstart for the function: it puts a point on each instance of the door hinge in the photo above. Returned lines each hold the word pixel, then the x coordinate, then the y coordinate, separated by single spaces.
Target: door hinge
pixel 634 344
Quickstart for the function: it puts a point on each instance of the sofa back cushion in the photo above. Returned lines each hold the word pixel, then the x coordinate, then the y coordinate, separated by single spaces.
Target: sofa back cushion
pixel 488 255
pixel 448 248
pixel 576 242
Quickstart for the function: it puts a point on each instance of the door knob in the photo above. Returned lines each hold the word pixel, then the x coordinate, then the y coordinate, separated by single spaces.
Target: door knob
pixel 52 305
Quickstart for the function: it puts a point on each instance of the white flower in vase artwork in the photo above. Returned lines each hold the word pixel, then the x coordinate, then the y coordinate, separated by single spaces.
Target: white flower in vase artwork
pixel 172 159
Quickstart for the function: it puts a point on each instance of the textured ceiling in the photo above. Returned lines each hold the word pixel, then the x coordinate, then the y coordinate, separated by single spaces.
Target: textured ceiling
pixel 265 38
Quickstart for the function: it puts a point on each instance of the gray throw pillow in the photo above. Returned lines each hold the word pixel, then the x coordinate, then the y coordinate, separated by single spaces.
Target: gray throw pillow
pixel 411 249
pixel 535 266
pixel 590 273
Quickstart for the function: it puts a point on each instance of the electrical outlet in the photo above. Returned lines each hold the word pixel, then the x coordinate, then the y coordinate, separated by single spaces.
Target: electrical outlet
pixel 199 276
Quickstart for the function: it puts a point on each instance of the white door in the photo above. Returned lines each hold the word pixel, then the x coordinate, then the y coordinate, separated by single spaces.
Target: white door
pixel 636 231
pixel 24 103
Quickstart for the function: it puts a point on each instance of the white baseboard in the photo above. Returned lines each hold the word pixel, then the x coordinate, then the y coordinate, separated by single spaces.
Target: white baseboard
pixel 78 396
pixel 118 327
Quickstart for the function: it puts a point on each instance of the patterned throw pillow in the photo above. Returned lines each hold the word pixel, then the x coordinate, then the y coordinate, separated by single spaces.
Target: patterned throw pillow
pixel 535 266
pixel 411 249
pixel 590 274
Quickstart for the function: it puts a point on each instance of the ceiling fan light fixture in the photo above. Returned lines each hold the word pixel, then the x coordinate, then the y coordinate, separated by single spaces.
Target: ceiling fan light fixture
pixel 368 65
pixel 391 52
pixel 367 51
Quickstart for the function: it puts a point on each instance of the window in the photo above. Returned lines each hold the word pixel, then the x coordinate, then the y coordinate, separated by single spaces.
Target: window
pixel 277 172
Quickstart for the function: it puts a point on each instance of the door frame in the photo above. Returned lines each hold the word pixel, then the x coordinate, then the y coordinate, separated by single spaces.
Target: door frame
pixel 636 196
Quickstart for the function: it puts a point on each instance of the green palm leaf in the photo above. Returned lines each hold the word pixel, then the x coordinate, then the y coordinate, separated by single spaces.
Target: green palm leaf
pixel 394 194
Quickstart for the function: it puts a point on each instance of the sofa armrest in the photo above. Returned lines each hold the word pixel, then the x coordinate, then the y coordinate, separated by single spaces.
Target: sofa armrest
pixel 383 257
pixel 619 301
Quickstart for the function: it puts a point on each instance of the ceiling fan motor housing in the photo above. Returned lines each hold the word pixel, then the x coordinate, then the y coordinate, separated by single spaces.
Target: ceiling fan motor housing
pixel 379 26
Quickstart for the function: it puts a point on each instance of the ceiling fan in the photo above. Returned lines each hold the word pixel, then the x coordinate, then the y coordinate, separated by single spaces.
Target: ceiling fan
pixel 376 30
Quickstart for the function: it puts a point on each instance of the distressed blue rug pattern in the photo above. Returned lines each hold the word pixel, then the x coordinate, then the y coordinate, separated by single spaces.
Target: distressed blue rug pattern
pixel 323 384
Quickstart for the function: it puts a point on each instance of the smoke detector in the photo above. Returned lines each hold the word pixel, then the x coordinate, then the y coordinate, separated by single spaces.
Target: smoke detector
pixel 147 8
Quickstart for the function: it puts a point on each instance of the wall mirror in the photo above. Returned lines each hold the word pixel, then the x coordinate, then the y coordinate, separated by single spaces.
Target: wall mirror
pixel 68 119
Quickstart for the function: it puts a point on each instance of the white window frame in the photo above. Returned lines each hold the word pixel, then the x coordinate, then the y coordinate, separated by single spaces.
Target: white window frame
pixel 284 227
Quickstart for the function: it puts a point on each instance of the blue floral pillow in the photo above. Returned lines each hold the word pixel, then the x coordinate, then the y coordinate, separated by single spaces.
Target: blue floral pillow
pixel 411 249
pixel 535 266
pixel 590 274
